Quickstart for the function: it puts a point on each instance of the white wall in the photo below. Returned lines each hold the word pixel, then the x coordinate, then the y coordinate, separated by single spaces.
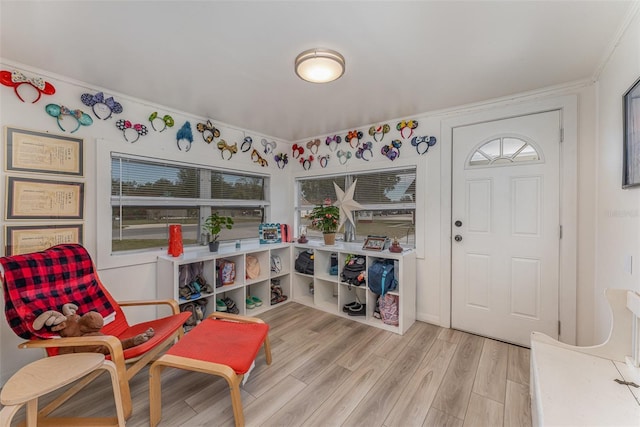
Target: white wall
pixel 131 276
pixel 618 210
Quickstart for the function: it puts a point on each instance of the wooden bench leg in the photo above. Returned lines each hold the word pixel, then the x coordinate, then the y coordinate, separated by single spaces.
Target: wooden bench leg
pixel 267 350
pixel 155 385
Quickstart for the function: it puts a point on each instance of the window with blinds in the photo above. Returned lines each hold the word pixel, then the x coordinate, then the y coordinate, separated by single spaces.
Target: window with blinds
pixel 148 195
pixel 388 198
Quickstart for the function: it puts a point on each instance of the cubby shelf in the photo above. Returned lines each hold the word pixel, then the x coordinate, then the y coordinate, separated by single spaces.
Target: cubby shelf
pixel 168 273
pixel 328 293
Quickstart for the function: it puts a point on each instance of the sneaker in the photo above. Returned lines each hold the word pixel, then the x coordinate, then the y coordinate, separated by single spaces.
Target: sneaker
pixel 249 303
pixel 220 305
pixel 257 301
pixel 357 310
pixel 346 307
pixel 231 306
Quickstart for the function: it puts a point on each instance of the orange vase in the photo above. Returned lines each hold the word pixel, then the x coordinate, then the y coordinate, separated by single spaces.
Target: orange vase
pixel 175 240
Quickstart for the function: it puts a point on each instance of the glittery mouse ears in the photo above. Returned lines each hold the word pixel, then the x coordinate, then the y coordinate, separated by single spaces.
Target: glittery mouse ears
pixel 102 107
pixel 16 78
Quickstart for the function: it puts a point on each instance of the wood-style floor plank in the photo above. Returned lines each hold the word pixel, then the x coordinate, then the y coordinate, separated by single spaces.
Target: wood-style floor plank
pixel 436 418
pixel 341 403
pixel 517 405
pixel 483 412
pixel 518 368
pixel 306 402
pixel 419 391
pixel 376 405
pixel 491 378
pixel 329 371
pixel 453 395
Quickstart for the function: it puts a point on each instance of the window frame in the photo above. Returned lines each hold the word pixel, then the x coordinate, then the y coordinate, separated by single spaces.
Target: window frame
pixel 107 257
pixel 348 177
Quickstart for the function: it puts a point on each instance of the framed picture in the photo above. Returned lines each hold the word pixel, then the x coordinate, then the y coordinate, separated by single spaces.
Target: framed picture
pixel 631 148
pixel 24 239
pixel 38 152
pixel 270 233
pixel 41 199
pixel 376 243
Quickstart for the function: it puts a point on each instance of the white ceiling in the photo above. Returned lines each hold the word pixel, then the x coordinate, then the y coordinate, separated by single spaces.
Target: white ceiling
pixel 233 61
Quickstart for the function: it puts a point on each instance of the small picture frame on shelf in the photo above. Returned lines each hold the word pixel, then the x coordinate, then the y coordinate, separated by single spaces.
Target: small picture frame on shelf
pixel 270 233
pixel 376 243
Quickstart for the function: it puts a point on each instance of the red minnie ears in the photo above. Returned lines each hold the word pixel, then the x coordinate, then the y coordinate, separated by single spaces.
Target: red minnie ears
pixel 16 78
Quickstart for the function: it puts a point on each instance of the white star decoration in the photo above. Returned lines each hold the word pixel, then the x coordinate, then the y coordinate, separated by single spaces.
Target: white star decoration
pixel 346 204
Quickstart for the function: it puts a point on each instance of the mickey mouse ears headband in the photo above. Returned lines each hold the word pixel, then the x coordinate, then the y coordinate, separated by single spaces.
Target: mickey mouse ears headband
pixel 102 108
pixel 16 78
pixel 58 111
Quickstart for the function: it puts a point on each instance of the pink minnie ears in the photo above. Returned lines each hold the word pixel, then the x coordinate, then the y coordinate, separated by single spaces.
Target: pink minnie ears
pixel 127 127
pixel 16 78
pixel 102 108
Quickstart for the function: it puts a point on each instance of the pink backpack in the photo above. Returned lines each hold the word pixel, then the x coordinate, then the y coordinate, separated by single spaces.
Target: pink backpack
pixel 389 309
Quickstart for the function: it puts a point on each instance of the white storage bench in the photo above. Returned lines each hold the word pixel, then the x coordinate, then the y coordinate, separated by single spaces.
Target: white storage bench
pixel 575 386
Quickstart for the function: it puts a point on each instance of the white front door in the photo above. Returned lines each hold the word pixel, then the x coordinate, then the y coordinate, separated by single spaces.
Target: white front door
pixel 505 227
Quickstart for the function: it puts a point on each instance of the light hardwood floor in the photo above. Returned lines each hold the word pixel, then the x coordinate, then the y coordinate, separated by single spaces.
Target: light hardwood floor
pixel 330 371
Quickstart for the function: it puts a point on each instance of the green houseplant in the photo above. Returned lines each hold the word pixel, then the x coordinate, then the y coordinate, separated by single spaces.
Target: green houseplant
pixel 326 218
pixel 213 225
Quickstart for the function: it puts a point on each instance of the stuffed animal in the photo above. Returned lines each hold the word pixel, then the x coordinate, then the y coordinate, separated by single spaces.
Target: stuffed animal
pixel 70 324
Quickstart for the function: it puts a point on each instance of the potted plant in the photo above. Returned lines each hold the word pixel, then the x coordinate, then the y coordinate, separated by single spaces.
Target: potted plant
pixel 213 225
pixel 325 218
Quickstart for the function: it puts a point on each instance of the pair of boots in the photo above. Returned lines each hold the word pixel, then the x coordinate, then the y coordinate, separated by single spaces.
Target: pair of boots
pixel 276 292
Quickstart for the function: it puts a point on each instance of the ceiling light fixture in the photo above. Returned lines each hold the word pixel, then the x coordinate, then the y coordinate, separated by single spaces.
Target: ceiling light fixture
pixel 319 65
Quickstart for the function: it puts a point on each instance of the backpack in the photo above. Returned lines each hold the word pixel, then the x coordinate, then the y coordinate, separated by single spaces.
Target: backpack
pixel 354 270
pixel 304 262
pixel 382 276
pixel 389 309
pixel 226 272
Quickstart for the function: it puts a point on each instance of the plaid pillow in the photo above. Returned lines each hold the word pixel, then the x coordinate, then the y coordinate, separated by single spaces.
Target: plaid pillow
pixel 41 281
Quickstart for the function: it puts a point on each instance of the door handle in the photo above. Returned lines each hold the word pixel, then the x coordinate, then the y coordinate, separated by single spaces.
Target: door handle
pixel 458 238
pixel 458 223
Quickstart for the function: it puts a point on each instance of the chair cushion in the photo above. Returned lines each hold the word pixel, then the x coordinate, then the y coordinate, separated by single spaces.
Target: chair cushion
pixel 41 281
pixel 162 327
pixel 227 343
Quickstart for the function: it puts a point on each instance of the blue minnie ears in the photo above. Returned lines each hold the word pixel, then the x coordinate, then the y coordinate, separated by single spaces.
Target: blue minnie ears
pixel 247 142
pixel 422 143
pixel 58 111
pixel 102 107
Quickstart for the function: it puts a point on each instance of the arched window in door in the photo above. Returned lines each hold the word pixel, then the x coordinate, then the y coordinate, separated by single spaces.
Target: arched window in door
pixel 504 150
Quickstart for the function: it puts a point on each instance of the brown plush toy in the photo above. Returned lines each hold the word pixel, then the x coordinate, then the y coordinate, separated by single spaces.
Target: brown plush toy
pixel 70 324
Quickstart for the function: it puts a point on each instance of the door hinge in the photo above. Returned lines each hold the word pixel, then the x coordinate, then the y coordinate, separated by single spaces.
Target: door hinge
pixel 561 134
pixel 561 232
pixel 559 328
